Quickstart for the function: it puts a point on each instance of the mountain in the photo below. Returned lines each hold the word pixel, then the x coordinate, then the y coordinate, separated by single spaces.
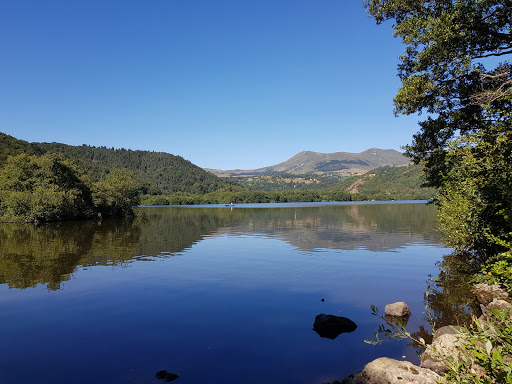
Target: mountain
pixel 161 172
pixel 339 163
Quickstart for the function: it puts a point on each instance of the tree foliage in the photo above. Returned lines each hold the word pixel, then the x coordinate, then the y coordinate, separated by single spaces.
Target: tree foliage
pixel 10 146
pixel 116 194
pixel 50 188
pixel 42 188
pixel 160 172
pixel 442 70
pixel 451 70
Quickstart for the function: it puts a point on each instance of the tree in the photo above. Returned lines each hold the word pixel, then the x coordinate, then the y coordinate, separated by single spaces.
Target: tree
pixel 463 140
pixel 42 188
pixel 116 194
pixel 442 71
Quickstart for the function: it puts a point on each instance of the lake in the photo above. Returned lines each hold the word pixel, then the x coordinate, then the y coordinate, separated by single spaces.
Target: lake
pixel 212 294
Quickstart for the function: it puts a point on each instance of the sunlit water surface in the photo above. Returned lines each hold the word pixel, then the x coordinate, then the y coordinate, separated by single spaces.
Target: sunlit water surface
pixel 214 295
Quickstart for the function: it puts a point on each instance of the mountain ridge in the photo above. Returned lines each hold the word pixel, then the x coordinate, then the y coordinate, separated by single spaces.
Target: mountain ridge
pixel 338 163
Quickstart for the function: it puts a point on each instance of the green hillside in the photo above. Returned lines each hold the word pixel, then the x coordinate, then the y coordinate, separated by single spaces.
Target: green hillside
pixel 10 146
pixel 160 172
pixel 403 182
pixel 285 181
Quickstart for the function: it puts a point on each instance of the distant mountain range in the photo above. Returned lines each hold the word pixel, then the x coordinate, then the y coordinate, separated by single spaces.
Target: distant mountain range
pixel 339 163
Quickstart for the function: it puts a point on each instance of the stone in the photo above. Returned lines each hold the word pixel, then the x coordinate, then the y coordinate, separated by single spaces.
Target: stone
pixel 398 309
pixel 330 326
pixel 443 347
pixel 389 371
pixel 486 293
pixel 501 305
pixel 166 376
pixel 447 330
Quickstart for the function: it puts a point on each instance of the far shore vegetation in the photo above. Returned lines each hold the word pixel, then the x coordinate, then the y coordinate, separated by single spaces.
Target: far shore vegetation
pixel 42 182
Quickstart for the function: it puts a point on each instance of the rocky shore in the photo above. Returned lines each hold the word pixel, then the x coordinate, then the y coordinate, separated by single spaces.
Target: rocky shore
pixel 447 345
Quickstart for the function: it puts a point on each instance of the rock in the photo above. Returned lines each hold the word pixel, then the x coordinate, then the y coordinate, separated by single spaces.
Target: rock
pixel 444 347
pixel 166 376
pixel 446 330
pixel 330 326
pixel 486 293
pixel 501 305
pixel 399 309
pixel 389 371
pixel 485 312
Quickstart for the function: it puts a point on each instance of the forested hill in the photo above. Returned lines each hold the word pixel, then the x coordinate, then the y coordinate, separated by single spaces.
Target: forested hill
pixel 10 146
pixel 168 173
pixel 160 172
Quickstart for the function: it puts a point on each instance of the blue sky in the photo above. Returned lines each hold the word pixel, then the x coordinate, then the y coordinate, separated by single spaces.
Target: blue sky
pixel 225 84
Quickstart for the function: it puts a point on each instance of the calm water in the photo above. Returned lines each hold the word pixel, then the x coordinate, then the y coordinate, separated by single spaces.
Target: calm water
pixel 215 295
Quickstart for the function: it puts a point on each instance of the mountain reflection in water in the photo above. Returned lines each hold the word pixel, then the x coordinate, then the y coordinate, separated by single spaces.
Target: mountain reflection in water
pixel 214 295
pixel 49 253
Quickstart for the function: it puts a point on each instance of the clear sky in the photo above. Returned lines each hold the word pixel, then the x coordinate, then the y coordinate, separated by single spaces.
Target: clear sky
pixel 223 83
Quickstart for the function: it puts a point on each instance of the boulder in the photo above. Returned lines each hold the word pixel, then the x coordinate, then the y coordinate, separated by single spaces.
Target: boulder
pixel 447 329
pixel 389 371
pixel 445 346
pixel 398 309
pixel 486 293
pixel 330 326
pixel 166 376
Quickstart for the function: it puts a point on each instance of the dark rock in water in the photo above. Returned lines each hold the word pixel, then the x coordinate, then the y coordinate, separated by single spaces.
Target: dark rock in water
pixel 330 326
pixel 166 376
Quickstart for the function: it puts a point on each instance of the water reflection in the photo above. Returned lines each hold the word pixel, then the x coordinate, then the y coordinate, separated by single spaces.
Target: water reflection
pixel 206 287
pixel 49 254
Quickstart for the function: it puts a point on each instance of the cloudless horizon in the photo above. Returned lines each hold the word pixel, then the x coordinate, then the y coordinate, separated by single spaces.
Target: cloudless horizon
pixel 224 84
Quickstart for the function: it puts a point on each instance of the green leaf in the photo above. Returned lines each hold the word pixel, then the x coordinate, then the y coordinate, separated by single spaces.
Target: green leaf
pixel 497 356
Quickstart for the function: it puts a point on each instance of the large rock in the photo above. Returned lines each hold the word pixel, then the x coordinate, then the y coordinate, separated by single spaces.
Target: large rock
pixel 389 371
pixel 330 326
pixel 398 309
pixel 447 329
pixel 445 346
pixel 486 293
